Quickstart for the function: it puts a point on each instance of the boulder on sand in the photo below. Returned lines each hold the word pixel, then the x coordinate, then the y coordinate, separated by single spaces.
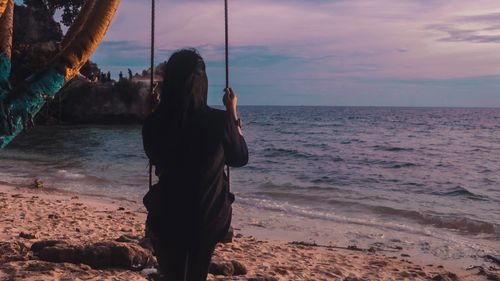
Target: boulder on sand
pixel 97 255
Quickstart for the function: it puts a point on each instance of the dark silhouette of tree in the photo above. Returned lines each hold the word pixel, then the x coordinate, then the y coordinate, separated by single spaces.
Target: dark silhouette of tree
pixel 90 69
pixel 70 8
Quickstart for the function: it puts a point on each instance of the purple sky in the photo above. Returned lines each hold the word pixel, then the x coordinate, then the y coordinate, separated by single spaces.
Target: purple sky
pixel 318 52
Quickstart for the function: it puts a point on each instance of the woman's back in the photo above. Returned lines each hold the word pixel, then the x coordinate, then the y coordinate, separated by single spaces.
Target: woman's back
pixel 190 165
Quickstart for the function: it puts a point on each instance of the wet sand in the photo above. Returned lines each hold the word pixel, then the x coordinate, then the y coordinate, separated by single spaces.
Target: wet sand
pixel 28 215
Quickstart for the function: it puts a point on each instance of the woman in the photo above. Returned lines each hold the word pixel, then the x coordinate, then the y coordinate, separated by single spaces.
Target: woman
pixel 189 143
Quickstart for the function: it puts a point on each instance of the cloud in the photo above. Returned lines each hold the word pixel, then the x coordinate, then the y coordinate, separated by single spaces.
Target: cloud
pixel 455 34
pixel 484 18
pixel 471 28
pixel 299 48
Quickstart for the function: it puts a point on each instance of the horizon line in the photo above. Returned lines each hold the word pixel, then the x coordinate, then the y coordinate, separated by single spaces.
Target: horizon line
pixel 380 106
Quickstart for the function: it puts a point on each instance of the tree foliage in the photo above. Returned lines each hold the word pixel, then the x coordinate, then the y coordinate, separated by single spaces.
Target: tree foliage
pixel 70 8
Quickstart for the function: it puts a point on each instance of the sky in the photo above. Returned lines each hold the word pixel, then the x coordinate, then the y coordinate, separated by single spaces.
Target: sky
pixel 319 52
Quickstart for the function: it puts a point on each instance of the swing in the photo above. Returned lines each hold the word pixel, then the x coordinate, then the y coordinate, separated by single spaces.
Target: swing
pixel 152 66
pixel 151 89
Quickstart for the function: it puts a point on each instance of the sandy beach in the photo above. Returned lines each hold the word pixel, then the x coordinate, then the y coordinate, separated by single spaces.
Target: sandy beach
pixel 29 215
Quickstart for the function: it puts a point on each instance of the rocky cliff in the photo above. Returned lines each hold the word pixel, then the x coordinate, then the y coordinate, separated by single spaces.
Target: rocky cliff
pixel 113 102
pixel 36 40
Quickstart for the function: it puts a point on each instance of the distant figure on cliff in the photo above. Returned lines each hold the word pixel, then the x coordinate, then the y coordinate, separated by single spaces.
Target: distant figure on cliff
pixel 189 209
pixel 130 75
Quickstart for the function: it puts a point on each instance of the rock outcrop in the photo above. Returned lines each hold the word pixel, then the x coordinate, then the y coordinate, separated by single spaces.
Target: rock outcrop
pixel 88 102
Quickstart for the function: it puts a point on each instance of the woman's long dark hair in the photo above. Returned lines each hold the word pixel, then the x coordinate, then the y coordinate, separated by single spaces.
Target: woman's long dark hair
pixel 184 93
pixel 185 87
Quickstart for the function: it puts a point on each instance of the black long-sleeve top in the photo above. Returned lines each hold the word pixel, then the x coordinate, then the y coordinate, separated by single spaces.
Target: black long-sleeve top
pixel 192 198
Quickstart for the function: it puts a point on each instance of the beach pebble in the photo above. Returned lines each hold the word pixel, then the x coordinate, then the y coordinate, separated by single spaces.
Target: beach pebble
pixel 12 251
pixel 38 184
pixel 448 276
pixel 27 235
pixel 53 216
pixel 232 268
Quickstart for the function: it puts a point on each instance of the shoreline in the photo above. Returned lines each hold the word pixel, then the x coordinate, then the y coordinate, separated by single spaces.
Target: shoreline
pixel 42 214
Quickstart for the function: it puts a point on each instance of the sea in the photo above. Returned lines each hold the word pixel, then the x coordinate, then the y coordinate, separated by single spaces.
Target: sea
pixel 421 181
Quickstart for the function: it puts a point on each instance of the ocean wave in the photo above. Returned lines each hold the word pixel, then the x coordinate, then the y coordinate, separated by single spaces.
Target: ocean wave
pixel 287 132
pixel 461 224
pixel 318 145
pixel 349 141
pixel 270 188
pixel 390 216
pixel 459 191
pixel 389 164
pixel 282 152
pixel 127 156
pixel 261 123
pixel 391 148
pixel 328 180
pixel 402 165
pixel 69 175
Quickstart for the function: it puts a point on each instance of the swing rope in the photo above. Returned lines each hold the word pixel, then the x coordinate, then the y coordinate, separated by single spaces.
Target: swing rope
pixel 226 50
pixel 151 85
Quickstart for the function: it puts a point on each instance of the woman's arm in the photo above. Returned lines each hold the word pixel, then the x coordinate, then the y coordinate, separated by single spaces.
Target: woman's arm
pixel 230 101
pixel 235 147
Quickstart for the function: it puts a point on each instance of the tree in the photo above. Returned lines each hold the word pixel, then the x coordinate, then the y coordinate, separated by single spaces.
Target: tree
pixel 90 69
pixel 21 102
pixel 70 8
